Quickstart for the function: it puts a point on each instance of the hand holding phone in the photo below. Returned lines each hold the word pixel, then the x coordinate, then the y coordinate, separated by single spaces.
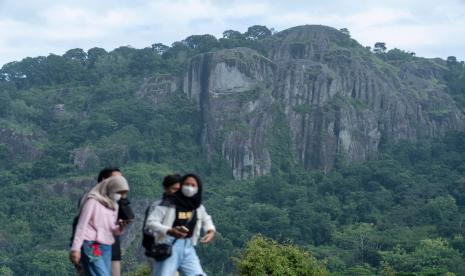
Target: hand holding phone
pixel 177 233
pixel 124 223
pixel 183 229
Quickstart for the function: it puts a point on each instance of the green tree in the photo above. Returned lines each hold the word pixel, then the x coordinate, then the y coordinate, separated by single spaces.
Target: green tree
pixel 257 32
pixel 160 48
pixel 358 270
pixel 201 43
pixel 5 103
pixel 144 62
pixel 443 212
pixel 379 48
pixel 94 54
pixel 231 34
pixel 6 271
pixel 268 220
pixel 77 55
pixel 263 256
pixel 345 31
pixel 360 239
pixel 399 55
pixel 431 255
pixel 451 60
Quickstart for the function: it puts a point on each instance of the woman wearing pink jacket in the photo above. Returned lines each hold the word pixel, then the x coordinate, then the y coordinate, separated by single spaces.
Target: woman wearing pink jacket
pixel 97 225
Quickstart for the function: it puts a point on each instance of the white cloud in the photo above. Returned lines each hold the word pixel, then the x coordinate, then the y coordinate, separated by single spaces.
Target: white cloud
pixel 378 17
pixel 39 27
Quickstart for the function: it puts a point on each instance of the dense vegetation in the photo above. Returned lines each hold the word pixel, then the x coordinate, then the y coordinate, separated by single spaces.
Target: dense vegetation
pixel 265 257
pixel 62 118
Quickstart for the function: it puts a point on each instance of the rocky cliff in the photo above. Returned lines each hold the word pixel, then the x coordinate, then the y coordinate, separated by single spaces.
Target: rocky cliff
pixel 17 145
pixel 233 89
pixel 338 98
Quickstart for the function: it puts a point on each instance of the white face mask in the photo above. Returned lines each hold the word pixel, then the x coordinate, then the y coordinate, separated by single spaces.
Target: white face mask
pixel 189 191
pixel 116 196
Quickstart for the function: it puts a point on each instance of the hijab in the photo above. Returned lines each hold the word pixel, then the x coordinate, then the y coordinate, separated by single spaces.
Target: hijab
pixel 188 203
pixel 104 190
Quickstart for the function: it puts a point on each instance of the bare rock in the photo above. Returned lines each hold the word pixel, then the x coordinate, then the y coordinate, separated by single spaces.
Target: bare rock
pixel 158 88
pixel 233 92
pixel 338 98
pixel 85 159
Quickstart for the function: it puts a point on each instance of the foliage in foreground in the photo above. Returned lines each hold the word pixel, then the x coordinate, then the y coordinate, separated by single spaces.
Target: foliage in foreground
pixel 263 256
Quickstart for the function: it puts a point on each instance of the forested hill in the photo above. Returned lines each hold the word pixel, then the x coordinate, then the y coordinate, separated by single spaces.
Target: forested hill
pixel 354 154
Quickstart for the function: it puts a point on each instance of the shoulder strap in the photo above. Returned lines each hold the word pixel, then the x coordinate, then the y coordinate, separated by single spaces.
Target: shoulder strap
pixel 146 216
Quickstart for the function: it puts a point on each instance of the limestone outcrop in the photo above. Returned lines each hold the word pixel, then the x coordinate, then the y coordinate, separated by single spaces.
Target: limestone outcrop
pixel 338 98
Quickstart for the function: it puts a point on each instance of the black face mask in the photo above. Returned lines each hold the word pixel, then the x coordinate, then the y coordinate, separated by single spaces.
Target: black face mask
pixel 188 203
pixel 125 212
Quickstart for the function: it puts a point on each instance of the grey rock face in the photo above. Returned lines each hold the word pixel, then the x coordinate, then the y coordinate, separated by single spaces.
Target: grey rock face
pixel 233 92
pixel 74 188
pixel 20 146
pixel 338 99
pixel 59 111
pixel 157 88
pixel 85 159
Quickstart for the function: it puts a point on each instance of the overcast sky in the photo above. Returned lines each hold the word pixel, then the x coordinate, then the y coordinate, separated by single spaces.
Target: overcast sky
pixel 430 28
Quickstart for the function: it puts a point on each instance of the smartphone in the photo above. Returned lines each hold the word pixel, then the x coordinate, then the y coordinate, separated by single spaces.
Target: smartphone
pixel 125 221
pixel 183 229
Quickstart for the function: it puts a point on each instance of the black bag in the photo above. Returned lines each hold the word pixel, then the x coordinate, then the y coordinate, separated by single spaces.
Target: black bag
pixel 160 251
pixel 125 212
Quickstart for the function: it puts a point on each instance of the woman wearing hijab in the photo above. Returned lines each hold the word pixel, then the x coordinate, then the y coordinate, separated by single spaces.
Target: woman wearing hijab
pixel 177 221
pixel 97 226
